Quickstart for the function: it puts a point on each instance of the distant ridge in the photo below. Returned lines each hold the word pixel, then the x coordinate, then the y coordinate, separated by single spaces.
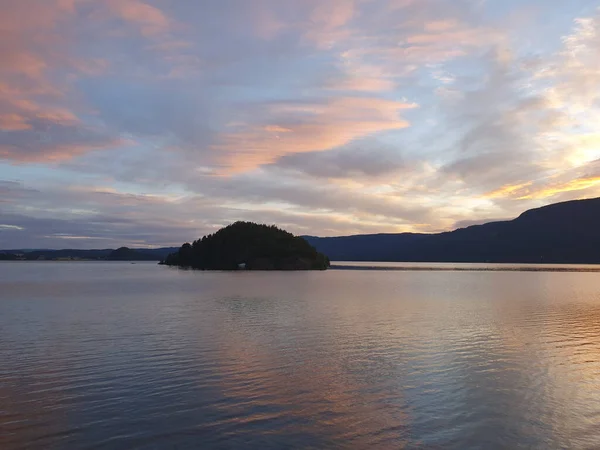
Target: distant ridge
pixel 567 233
pixel 121 254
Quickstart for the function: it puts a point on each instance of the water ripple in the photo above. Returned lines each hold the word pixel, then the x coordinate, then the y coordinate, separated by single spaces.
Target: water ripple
pixel 343 359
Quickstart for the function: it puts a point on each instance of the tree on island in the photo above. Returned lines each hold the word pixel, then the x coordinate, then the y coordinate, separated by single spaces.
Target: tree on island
pixel 250 246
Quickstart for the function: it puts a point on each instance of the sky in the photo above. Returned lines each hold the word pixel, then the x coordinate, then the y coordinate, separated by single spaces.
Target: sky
pixel 154 122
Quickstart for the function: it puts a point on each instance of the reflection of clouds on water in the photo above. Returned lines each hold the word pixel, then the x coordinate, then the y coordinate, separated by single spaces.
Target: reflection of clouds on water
pixel 33 402
pixel 354 358
pixel 315 394
pixel 412 359
pixel 25 416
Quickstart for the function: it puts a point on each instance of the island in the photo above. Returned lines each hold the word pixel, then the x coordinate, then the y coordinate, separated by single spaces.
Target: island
pixel 249 246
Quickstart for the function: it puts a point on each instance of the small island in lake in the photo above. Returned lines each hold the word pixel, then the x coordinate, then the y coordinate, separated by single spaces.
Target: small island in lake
pixel 249 246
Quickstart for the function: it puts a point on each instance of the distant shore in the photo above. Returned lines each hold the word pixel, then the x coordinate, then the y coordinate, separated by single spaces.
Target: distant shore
pixel 399 267
pixel 467 267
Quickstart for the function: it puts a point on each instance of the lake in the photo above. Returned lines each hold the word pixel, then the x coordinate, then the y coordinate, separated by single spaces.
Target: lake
pixel 98 355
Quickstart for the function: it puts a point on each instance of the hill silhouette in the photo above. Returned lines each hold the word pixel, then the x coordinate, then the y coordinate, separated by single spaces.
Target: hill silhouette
pixel 566 233
pixel 250 246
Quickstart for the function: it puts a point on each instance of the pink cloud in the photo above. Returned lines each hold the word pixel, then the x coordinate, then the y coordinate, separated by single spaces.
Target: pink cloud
pixel 40 112
pixel 302 127
pixel 13 122
pixel 150 20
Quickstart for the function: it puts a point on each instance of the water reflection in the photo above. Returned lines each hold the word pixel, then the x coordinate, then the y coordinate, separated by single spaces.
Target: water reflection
pixel 315 392
pixel 355 359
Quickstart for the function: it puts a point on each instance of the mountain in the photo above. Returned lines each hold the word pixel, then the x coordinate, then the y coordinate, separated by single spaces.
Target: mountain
pixel 567 233
pixel 249 246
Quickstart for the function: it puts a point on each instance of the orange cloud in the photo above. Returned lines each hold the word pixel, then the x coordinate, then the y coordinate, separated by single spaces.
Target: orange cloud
pixel 579 184
pixel 18 113
pixel 13 122
pixel 308 127
pixel 508 190
pixel 527 190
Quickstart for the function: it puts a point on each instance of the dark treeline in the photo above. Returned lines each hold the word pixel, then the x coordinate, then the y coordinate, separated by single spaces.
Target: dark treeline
pixel 251 246
pixel 129 254
pixel 120 254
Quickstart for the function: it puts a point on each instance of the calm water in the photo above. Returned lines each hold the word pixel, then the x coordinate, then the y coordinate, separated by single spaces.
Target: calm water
pixel 124 356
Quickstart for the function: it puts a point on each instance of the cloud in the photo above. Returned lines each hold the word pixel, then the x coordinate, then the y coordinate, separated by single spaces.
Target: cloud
pixel 27 49
pixel 508 190
pixel 531 130
pixel 4 226
pixel 178 111
pixel 150 20
pixel 35 124
pixel 324 198
pixel 508 131
pixel 328 20
pixel 361 159
pixel 494 122
pixel 44 140
pixel 57 215
pixel 292 127
pixel 575 71
pixel 579 184
pixel 42 116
